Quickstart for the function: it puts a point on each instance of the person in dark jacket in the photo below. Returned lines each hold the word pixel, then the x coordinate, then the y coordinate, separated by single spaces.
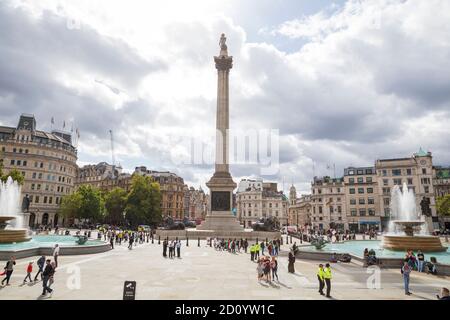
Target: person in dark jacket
pixel 40 264
pixel 291 268
pixel 9 269
pixel 48 272
pixel 445 294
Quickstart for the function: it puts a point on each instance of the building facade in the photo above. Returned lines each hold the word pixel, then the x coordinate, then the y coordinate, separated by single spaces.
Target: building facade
pixel 96 174
pixel 195 203
pixel 260 202
pixel 417 173
pixel 328 204
pixel 441 181
pixel 172 191
pixel 299 209
pixel 48 163
pixel 362 201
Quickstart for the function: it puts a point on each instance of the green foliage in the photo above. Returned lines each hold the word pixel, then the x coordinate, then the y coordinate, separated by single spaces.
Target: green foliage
pixel 115 203
pixel 85 203
pixel 143 202
pixel 70 205
pixel 443 205
pixel 15 174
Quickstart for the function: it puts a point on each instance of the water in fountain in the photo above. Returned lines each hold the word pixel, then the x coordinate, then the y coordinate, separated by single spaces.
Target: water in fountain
pixel 9 201
pixel 403 207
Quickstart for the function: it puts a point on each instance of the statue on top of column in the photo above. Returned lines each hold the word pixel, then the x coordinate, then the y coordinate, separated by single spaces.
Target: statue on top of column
pixel 223 46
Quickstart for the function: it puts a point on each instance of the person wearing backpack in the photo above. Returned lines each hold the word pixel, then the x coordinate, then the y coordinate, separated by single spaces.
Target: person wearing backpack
pixel 40 264
pixel 406 270
pixel 9 269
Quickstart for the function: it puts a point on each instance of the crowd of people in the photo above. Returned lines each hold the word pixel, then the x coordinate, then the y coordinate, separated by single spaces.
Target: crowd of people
pixel 46 269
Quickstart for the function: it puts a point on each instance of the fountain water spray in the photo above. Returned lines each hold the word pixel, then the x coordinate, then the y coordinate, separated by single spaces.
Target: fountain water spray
pixel 408 228
pixel 10 192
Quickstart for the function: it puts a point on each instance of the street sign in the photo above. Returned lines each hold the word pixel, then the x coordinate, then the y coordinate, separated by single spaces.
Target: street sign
pixel 129 290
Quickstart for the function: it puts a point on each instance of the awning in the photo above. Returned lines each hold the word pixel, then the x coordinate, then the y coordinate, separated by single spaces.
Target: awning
pixel 369 222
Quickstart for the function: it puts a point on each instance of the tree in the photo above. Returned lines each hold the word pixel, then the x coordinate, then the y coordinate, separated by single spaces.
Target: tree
pixel 15 174
pixel 443 205
pixel 71 206
pixel 85 203
pixel 143 202
pixel 92 205
pixel 115 204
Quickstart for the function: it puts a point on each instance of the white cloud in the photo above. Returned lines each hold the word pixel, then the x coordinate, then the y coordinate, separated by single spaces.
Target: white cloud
pixel 369 81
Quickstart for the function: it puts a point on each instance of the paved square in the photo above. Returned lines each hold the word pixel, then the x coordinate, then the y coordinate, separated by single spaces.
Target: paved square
pixel 204 273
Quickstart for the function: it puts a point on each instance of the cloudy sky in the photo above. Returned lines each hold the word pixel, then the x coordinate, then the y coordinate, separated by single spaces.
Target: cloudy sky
pixel 344 82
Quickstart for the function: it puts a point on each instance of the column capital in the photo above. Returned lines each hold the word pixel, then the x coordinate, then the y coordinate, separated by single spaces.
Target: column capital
pixel 223 63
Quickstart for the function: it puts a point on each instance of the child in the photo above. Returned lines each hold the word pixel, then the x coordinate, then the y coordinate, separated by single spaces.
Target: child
pixel 29 271
pixel 260 269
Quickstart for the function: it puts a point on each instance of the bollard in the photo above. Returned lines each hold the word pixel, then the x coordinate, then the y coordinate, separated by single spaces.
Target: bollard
pixel 159 239
pixel 210 242
pixel 198 242
pixel 152 241
pixel 187 241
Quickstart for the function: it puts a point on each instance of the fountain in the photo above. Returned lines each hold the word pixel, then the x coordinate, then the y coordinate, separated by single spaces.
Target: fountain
pixel 9 202
pixel 407 231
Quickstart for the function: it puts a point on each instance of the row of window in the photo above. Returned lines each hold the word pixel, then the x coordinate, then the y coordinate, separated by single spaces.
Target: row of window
pixel 51 166
pixel 398 172
pixel 362 212
pixel 49 187
pixel 332 209
pixel 263 205
pixel 45 199
pixel 40 152
pixel 249 213
pixel 319 190
pixel 360 190
pixel 362 201
pixel 360 180
pixel 360 171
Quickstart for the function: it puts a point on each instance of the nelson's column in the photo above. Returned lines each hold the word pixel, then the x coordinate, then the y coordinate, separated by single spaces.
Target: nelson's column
pixel 221 184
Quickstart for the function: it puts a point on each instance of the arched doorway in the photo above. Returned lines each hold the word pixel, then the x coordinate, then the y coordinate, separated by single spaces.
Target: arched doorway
pixel 32 220
pixel 45 219
pixel 55 220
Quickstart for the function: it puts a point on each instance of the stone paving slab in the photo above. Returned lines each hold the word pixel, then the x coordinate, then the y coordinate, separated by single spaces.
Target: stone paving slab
pixel 204 273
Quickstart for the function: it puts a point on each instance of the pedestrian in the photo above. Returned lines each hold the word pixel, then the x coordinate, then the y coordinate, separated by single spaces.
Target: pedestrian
pixel 406 270
pixel 56 253
pixel 420 261
pixel 179 249
pixel 257 249
pixel 252 252
pixel 262 246
pixel 29 271
pixel 260 269
pixel 48 271
pixel 320 277
pixel 445 295
pixel 130 242
pixel 40 264
pixel 9 269
pixel 165 248
pixel 111 241
pixel 171 249
pixel 291 259
pixel 327 278
pixel 274 267
pixel 52 275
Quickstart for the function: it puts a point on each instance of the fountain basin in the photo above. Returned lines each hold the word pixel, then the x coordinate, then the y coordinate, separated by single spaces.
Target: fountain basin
pixel 404 243
pixel 11 235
